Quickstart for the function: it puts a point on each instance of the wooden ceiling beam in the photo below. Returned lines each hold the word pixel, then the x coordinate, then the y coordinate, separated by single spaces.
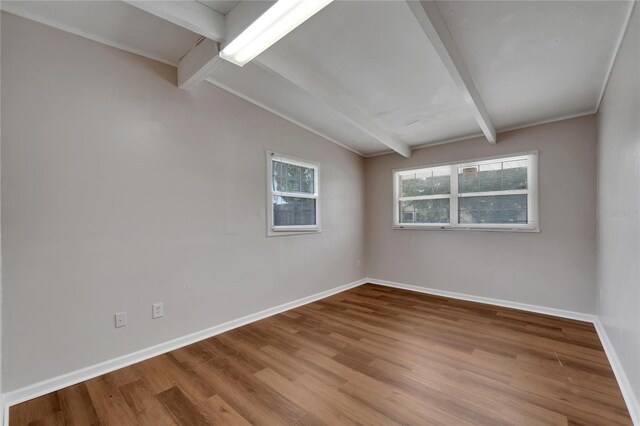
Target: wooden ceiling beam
pixel 432 23
pixel 305 79
pixel 191 15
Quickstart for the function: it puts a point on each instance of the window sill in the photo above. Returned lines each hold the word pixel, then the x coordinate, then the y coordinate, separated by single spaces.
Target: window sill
pixel 469 228
pixel 284 232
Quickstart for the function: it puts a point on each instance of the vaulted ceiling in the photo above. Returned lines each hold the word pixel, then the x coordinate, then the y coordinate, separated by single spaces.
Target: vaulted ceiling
pixel 376 76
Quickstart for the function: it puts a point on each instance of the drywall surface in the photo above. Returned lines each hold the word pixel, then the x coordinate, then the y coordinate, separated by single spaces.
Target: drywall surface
pixel 1 358
pixel 119 190
pixel 619 206
pixel 554 268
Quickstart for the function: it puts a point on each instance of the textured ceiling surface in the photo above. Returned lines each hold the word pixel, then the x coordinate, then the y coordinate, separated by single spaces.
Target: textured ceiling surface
pixel 532 61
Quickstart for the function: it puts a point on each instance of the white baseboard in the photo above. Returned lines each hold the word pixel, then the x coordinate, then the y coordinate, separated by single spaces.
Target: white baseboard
pixel 488 300
pixel 630 398
pixel 38 389
pixel 56 383
pixel 4 412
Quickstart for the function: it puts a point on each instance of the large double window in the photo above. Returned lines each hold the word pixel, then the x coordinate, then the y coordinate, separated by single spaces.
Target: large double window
pixel 497 193
pixel 293 195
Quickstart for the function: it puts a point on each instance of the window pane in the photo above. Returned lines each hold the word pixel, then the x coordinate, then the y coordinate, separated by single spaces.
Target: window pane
pixel 290 211
pixel 291 178
pixel 501 175
pixel 425 211
pixel 493 209
pixel 433 181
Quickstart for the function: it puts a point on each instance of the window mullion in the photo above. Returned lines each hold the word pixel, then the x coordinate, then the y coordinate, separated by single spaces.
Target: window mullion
pixel 425 197
pixel 494 193
pixel 294 194
pixel 453 202
pixel 532 190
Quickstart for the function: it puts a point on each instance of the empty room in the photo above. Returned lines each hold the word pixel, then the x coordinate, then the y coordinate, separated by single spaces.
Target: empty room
pixel 320 212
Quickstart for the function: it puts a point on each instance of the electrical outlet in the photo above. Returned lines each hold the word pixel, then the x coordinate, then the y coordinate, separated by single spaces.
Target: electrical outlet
pixel 358 263
pixel 158 310
pixel 121 319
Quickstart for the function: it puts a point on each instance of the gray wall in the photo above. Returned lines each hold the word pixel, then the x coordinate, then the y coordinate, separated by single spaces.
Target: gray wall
pixel 120 190
pixel 619 206
pixel 554 268
pixel 1 394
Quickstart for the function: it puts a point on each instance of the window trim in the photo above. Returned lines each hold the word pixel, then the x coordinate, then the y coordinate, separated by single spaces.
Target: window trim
pixel 278 231
pixel 532 199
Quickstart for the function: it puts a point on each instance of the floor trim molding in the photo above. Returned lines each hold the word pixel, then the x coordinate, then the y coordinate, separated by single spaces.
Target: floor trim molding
pixel 50 385
pixel 488 300
pixel 4 412
pixel 633 404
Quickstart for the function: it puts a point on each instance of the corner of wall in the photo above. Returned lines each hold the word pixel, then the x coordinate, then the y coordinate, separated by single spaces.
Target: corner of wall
pixel 628 393
pixel 618 204
pixel 2 407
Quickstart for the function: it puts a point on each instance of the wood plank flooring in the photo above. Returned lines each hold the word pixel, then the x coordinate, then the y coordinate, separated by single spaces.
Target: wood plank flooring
pixel 371 356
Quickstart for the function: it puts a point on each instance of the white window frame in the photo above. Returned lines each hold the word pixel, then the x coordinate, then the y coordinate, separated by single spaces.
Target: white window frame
pixel 273 230
pixel 533 224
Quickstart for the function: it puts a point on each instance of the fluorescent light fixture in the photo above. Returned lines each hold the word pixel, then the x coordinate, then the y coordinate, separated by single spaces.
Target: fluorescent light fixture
pixel 278 21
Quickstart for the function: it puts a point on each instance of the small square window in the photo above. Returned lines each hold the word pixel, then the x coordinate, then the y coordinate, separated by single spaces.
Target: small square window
pixel 293 198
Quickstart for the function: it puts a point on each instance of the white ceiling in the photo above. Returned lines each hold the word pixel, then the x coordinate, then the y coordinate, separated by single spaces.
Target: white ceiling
pixel 278 95
pixel 536 60
pixel 394 75
pixel 222 6
pixel 531 61
pixel 111 22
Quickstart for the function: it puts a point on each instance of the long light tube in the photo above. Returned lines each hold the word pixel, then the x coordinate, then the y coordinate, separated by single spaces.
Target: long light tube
pixel 279 20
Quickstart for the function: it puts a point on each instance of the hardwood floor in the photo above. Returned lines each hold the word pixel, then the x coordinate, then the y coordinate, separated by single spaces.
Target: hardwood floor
pixel 371 355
